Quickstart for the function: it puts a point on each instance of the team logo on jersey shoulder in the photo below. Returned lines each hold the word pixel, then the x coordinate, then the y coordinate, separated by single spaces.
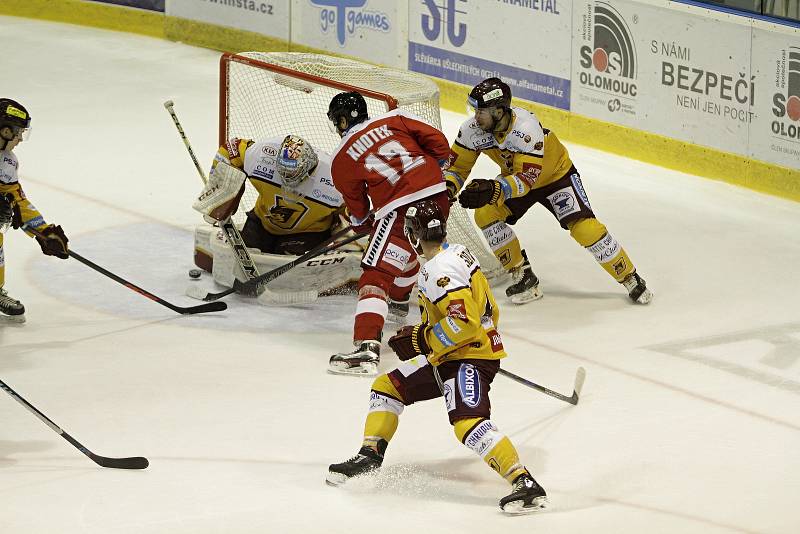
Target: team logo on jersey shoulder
pixel 530 173
pixel 443 281
pixel 232 147
pixel 457 309
pixel 538 146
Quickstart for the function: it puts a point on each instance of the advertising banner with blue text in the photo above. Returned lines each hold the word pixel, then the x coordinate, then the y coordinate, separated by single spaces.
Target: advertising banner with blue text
pixel 524 42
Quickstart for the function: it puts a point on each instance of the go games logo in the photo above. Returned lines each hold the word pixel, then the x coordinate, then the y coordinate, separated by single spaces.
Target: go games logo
pixel 609 63
pixel 786 100
pixel 442 20
pixel 345 17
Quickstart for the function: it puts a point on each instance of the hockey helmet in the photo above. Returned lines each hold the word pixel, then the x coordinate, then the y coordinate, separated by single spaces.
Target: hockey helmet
pixel 296 160
pixel 424 221
pixel 351 106
pixel 16 118
pixel 490 93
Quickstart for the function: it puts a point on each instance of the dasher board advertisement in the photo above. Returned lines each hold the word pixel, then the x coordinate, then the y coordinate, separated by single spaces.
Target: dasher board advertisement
pixel 659 70
pixel 371 30
pixel 775 131
pixel 526 43
pixel 267 17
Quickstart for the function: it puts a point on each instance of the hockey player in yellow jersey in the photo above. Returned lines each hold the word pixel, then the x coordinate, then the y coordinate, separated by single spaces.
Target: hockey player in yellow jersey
pixel 534 168
pixel 453 353
pixel 15 209
pixel 297 203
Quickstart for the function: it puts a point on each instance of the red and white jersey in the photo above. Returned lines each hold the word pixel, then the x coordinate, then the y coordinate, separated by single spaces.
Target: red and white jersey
pixel 392 160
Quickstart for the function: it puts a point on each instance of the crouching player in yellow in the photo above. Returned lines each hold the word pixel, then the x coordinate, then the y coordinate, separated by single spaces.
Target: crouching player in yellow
pixel 453 353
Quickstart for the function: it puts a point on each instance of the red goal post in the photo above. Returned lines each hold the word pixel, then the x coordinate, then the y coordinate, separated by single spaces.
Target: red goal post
pixel 271 94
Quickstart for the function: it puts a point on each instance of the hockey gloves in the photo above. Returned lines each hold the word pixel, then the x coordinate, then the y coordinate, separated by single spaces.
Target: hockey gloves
pixel 361 226
pixel 479 192
pixel 53 241
pixel 409 342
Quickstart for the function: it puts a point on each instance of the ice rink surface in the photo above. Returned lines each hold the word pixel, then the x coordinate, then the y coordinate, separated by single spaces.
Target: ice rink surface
pixel 689 420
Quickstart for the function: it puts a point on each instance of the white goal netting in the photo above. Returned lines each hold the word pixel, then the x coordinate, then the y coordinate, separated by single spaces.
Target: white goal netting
pixel 266 94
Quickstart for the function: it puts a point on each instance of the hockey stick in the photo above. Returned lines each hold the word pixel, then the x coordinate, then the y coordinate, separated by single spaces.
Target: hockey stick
pixel 235 240
pixel 580 377
pixel 244 287
pixel 135 462
pixel 187 310
pixel 169 107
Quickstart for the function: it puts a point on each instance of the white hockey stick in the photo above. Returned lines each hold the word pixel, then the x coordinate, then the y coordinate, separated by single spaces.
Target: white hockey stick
pixel 234 238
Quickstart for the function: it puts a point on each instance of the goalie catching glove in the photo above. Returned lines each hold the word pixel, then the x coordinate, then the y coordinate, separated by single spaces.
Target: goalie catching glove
pixel 53 241
pixel 221 195
pixel 410 341
pixel 479 192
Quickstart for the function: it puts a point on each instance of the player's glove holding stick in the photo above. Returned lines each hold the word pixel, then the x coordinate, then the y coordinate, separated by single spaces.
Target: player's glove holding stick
pixel 410 341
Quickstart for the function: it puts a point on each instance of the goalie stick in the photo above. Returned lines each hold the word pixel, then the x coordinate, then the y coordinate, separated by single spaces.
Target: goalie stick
pixel 238 246
pixel 183 310
pixel 134 462
pixel 245 287
pixel 580 377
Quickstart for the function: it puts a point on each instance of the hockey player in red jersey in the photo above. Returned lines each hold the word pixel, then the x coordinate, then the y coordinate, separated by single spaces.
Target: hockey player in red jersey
pixel 382 165
pixel 15 209
pixel 453 354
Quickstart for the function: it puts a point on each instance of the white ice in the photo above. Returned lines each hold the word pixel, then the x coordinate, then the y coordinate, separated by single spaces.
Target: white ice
pixel 689 419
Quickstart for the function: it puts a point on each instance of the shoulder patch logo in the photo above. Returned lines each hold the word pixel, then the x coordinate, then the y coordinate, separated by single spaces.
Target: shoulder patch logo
pixel 443 281
pixel 457 310
pixel 538 146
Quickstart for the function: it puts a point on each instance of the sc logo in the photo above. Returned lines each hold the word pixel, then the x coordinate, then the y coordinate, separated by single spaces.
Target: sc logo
pixel 446 12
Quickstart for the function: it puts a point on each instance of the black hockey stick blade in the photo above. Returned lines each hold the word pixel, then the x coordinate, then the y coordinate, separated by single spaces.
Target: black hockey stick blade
pixel 580 378
pixel 134 462
pixel 183 310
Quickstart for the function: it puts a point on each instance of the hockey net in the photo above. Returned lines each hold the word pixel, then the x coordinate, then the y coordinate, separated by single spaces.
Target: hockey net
pixel 268 94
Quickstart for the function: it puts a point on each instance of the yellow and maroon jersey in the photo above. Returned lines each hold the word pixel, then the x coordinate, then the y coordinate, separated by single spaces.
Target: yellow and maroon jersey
pixel 529 156
pixel 458 304
pixel 313 206
pixel 31 218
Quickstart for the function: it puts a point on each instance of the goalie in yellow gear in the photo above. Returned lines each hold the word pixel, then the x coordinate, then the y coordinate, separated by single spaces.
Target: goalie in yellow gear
pixel 453 354
pixel 534 168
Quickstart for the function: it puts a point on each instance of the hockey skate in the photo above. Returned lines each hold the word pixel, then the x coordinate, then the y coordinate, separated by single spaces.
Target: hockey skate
pixel 362 361
pixel 525 286
pixel 526 496
pixel 366 461
pixel 637 289
pixel 398 311
pixel 11 311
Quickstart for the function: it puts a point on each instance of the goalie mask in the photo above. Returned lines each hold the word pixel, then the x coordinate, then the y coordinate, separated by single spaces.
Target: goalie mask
pixel 424 221
pixel 296 160
pixel 15 122
pixel 489 101
pixel 348 106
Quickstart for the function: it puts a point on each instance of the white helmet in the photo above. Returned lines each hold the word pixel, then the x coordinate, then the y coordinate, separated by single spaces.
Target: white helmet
pixel 296 160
